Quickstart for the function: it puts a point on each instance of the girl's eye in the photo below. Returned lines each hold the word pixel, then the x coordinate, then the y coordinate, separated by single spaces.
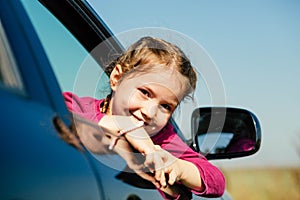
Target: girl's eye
pixel 145 92
pixel 166 107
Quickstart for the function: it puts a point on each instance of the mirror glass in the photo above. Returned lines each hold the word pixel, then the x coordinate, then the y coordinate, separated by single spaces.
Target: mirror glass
pixel 220 132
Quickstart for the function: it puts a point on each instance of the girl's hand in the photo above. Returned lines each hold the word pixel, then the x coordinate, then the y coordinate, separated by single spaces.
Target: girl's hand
pixel 170 171
pixel 138 138
pixel 140 141
pixel 181 170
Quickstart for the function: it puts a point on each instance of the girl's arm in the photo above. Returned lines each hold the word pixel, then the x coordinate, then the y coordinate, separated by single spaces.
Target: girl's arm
pixel 188 175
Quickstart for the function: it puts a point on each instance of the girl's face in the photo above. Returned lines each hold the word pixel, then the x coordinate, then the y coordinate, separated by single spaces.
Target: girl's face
pixel 149 97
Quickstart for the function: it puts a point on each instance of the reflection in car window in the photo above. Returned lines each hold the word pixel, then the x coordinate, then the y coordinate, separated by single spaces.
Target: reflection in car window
pixel 67 56
pixel 9 73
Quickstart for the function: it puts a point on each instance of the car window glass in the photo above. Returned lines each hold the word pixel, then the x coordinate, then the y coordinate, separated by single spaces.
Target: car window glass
pixel 9 73
pixel 67 56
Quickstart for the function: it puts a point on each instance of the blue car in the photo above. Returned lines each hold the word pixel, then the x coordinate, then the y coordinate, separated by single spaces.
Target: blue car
pixel 42 47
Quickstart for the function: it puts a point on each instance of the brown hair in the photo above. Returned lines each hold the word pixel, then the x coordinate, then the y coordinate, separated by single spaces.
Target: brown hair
pixel 155 51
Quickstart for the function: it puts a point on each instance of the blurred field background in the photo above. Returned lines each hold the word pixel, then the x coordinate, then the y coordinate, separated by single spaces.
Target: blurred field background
pixel 264 183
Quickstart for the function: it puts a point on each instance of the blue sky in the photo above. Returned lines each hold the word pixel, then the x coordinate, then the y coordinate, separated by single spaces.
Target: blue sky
pixel 256 48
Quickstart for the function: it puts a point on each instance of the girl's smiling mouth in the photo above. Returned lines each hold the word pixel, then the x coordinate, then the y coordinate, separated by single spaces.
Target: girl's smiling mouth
pixel 138 119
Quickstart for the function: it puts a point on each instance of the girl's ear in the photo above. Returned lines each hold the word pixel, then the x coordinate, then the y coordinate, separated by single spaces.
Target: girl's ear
pixel 115 76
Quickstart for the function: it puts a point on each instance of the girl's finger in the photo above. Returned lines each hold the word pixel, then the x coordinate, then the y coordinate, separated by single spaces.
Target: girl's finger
pixel 172 177
pixel 163 181
pixel 159 169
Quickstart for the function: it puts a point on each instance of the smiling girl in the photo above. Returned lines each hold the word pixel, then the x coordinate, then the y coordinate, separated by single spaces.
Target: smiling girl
pixel 147 83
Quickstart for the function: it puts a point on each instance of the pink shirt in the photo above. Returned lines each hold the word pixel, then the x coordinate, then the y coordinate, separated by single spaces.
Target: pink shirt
pixel 212 177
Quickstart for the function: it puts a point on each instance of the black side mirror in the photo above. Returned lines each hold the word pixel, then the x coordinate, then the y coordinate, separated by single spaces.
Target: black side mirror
pixel 220 132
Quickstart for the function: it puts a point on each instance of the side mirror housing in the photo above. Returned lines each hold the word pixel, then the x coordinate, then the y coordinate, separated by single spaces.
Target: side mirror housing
pixel 222 132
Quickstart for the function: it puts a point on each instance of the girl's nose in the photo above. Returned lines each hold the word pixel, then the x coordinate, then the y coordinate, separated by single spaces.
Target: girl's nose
pixel 149 111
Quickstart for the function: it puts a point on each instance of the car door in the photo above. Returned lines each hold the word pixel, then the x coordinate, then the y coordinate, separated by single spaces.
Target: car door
pixel 35 162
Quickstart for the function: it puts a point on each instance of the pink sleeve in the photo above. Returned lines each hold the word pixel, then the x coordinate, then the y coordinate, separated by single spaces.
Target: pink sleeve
pixel 212 178
pixel 86 107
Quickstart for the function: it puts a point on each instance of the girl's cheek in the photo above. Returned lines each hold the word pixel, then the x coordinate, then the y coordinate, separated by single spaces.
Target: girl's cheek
pixel 162 120
pixel 160 123
pixel 132 102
